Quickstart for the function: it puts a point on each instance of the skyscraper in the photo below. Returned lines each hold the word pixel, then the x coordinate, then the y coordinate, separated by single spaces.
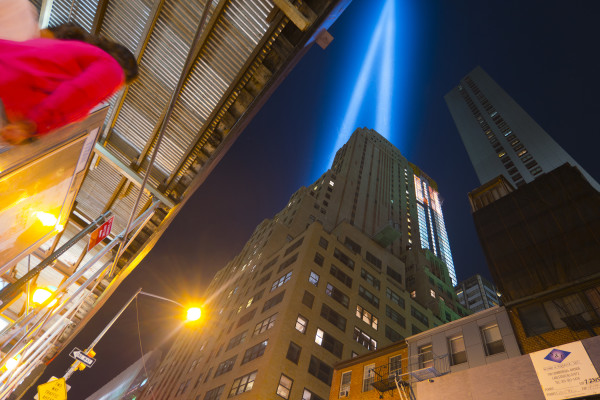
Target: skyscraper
pixel 477 293
pixel 340 271
pixel 500 137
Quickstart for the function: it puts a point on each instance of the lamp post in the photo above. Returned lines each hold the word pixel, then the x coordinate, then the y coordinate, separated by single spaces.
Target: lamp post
pixel 193 314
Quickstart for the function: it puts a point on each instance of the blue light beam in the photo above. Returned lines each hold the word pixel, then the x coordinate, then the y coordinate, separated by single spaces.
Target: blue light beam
pixel 383 120
pixel 386 80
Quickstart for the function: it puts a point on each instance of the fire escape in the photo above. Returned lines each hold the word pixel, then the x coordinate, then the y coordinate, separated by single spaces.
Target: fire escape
pixel 400 375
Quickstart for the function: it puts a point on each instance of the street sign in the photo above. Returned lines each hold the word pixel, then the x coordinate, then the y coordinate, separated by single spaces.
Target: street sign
pixel 81 356
pixel 53 390
pixel 100 233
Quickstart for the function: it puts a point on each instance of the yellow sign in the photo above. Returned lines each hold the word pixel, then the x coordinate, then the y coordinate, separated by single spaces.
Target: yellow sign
pixel 53 390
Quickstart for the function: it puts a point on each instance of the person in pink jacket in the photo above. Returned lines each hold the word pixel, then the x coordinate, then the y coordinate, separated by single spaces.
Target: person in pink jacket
pixel 48 83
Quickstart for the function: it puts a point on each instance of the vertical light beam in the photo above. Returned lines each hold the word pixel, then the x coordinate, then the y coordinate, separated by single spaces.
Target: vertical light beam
pixel 357 98
pixel 383 120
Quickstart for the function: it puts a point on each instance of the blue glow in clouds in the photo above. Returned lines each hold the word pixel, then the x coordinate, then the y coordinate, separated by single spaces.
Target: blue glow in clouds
pixel 381 49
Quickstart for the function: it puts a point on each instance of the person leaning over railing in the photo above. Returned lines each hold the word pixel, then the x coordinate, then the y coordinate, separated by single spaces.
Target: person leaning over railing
pixel 48 83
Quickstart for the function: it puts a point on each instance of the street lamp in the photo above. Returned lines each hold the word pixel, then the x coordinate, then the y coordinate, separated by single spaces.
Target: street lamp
pixel 193 314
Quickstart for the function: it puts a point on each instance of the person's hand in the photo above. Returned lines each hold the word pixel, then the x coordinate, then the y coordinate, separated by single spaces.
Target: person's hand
pixel 18 132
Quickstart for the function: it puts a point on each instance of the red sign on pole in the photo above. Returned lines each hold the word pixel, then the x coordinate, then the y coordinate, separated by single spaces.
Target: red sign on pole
pixel 100 233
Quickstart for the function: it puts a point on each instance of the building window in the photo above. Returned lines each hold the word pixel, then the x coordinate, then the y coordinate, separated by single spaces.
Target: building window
pixel 319 259
pixel 214 394
pixel 370 297
pixel 394 297
pixel 246 317
pixel 285 386
pixel 265 324
pixel 273 301
pixel 337 295
pixel 225 366
pixel 366 317
pixel 352 245
pixel 294 246
pixel 395 316
pixel 432 293
pixel 457 350
pixel 332 316
pixel 395 275
pixel 323 242
pixel 236 340
pixel 301 324
pixel 340 276
pixel 370 278
pixel 373 260
pixel 492 339
pixel 419 316
pixel 308 299
pixel 293 353
pixel 308 395
pixel 368 377
pixel 279 282
pixel 345 384
pixel 243 384
pixel 320 370
pixel 392 334
pixel 347 261
pixel 314 278
pixel 426 356
pixel 329 343
pixel 364 339
pixel 254 352
pixel 396 365
pixel 287 262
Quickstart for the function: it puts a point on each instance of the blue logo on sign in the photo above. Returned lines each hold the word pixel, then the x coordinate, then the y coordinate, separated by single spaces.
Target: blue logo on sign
pixel 557 355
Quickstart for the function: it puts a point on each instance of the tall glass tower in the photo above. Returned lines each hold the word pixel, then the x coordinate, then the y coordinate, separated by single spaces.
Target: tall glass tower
pixel 500 137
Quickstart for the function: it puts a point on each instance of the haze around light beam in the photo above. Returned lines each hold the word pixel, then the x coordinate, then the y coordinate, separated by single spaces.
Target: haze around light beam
pixel 380 49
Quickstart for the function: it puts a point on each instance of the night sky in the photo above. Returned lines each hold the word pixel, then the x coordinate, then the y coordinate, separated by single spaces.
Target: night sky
pixel 543 53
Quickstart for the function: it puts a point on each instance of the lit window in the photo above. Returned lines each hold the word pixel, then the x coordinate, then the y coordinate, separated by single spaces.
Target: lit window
pixel 319 337
pixel 313 278
pixel 242 384
pixel 413 294
pixel 249 302
pixel 432 293
pixel 331 183
pixel 285 386
pixel 501 154
pixel 301 324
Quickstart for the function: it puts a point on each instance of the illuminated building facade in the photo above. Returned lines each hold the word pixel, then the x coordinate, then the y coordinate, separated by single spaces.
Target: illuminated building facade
pixel 500 137
pixel 328 278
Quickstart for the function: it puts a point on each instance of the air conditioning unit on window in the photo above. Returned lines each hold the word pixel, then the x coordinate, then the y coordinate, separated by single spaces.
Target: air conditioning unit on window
pixel 344 393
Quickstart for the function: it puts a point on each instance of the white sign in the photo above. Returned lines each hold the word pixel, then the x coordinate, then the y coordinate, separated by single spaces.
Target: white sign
pixel 566 372
pixel 81 356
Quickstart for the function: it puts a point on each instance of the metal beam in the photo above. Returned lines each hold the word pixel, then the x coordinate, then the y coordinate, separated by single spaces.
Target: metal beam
pixel 293 14
pixel 130 174
pixel 99 17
